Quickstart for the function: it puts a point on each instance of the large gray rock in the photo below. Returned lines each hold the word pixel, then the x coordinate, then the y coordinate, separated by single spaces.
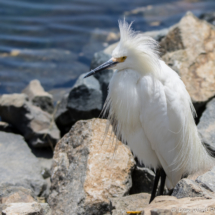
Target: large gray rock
pixel 84 101
pixel 39 97
pixel 142 180
pixel 18 166
pixel 88 170
pixel 34 124
pixel 190 188
pixel 207 180
pixel 206 125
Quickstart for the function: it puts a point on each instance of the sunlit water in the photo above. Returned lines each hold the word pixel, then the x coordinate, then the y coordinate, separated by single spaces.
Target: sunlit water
pixel 54 41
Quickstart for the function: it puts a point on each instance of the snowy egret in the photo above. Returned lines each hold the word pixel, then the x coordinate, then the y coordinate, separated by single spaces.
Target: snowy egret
pixel 151 110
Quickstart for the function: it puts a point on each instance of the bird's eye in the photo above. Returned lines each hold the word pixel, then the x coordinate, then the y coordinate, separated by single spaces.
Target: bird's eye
pixel 123 58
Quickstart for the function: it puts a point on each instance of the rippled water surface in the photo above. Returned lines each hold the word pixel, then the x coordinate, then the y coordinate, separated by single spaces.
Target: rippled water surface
pixel 54 41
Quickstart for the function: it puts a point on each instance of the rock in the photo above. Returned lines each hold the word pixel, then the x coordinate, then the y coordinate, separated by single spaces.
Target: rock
pixel 189 188
pixel 88 170
pixel 83 102
pixel 207 180
pixel 206 125
pixel 135 202
pixel 32 208
pixel 13 194
pixel 18 166
pixel 170 205
pixel 39 97
pixel 142 180
pixel 34 124
pixel 192 56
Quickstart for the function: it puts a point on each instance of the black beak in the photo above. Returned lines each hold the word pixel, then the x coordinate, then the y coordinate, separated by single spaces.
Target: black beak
pixel 104 66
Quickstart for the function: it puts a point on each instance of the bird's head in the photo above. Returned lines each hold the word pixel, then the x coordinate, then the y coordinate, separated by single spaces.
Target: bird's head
pixel 134 51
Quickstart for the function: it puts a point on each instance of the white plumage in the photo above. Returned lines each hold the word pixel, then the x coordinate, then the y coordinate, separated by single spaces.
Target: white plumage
pixel 151 110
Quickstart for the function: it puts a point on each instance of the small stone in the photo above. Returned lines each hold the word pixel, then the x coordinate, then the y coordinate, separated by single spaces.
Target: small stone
pixel 88 170
pixel 34 124
pixel 39 97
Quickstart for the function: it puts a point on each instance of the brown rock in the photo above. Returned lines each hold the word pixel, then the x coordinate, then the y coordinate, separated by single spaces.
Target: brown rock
pixel 189 48
pixel 33 123
pixel 39 97
pixel 87 172
pixel 170 205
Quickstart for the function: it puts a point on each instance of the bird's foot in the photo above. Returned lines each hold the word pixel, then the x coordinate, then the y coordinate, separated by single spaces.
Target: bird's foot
pixel 133 212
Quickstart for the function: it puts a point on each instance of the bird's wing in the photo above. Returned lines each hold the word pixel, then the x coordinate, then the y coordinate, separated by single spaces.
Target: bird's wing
pixel 162 118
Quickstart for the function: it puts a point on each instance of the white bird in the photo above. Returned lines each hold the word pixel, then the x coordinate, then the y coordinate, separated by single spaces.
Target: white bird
pixel 151 110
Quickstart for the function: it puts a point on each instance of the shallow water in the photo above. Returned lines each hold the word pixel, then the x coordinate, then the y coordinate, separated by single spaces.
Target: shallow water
pixel 54 41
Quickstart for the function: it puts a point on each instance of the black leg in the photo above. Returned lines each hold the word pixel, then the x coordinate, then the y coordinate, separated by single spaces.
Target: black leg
pixel 157 177
pixel 163 178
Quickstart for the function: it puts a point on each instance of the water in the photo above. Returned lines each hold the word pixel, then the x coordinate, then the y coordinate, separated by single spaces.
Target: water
pixel 54 41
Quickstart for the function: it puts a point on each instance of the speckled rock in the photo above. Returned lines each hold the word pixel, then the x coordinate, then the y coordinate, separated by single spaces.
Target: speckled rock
pixel 87 172
pixel 34 124
pixel 189 188
pixel 38 96
pixel 84 101
pixel 206 124
pixel 191 53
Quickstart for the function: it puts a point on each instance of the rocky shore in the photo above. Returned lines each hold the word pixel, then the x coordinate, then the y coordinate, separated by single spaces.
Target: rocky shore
pixel 55 158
